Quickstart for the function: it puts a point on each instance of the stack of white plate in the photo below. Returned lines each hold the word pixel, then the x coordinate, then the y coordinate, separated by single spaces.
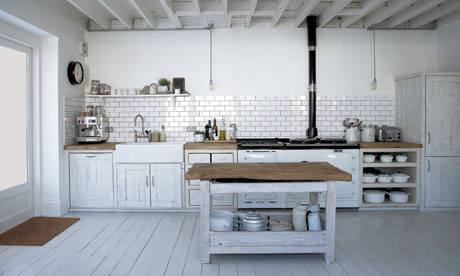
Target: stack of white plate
pixel 279 225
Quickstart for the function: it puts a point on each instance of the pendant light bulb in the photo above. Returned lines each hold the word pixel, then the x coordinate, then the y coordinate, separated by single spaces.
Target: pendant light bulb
pixel 211 85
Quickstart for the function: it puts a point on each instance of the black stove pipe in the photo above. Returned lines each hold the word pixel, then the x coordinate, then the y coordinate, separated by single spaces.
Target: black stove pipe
pixel 312 131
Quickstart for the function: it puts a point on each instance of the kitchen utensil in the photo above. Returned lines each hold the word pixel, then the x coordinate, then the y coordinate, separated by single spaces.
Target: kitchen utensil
pixel 369 178
pixel 105 89
pixel 154 136
pixel 374 196
pixel 351 134
pixel 350 122
pixel 279 225
pixel 400 177
pixel 384 178
pixel 253 221
pixel 369 158
pixel 153 88
pixel 233 133
pixel 401 158
pixel 387 134
pixel 299 216
pixel 221 221
pixel 398 196
pixel 386 158
pixel 368 134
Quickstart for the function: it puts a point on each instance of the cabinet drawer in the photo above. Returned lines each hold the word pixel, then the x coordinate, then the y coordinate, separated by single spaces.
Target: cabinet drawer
pixel 218 200
pixel 222 158
pixel 298 197
pixel 199 158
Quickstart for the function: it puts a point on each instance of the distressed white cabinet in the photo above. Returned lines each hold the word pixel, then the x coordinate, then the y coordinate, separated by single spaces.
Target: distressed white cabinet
pixel 166 185
pixel 345 190
pixel 150 185
pixel 443 174
pixel 133 186
pixel 442 116
pixel 91 180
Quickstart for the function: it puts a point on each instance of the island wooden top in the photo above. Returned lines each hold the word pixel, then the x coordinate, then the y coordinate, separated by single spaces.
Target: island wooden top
pixel 304 171
pixel 100 146
pixel 390 145
pixel 227 145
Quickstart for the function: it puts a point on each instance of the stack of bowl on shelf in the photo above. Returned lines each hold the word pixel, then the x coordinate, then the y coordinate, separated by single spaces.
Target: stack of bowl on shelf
pixel 252 221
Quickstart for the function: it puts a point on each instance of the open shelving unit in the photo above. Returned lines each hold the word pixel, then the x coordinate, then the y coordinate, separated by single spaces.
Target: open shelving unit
pixel 138 96
pixel 411 167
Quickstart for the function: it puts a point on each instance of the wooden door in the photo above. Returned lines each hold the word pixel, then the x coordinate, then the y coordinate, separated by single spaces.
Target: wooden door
pixel 166 181
pixel 133 186
pixel 442 116
pixel 91 181
pixel 442 182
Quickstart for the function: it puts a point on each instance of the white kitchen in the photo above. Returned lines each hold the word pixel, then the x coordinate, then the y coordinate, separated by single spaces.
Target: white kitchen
pixel 230 137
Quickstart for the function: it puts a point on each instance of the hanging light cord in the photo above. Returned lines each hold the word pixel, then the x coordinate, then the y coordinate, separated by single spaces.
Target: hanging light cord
pixel 210 57
pixel 375 74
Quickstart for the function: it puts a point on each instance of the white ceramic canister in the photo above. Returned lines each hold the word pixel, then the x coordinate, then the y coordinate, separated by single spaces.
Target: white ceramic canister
pixel 314 223
pixel 368 134
pixel 352 135
pixel 299 217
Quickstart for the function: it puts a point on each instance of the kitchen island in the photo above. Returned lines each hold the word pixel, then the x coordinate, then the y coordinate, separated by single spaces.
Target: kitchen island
pixel 313 177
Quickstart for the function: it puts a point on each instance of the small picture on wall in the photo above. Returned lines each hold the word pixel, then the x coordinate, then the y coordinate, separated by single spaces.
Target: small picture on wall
pixel 179 83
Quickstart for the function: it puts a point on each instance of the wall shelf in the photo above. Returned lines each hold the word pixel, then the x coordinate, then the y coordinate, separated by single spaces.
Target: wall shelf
pixel 389 185
pixel 137 96
pixel 378 164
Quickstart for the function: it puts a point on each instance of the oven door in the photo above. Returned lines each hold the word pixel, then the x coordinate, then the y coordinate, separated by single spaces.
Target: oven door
pixel 256 156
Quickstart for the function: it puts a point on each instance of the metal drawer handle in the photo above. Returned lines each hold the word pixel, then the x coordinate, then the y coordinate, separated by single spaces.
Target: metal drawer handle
pixel 429 137
pixel 429 166
pixel 90 156
pixel 147 181
pixel 153 181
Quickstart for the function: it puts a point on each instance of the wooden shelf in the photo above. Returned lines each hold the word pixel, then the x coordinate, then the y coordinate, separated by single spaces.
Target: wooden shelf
pixel 388 203
pixel 137 96
pixel 389 185
pixel 389 165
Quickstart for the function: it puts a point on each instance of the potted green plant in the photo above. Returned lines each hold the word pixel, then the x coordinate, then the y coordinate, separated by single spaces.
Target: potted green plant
pixel 198 136
pixel 164 84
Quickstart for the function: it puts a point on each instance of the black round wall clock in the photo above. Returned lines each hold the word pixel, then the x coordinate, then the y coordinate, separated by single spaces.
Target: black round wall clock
pixel 75 72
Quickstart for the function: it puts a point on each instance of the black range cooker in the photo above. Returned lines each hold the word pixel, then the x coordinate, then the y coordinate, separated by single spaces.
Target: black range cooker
pixel 295 143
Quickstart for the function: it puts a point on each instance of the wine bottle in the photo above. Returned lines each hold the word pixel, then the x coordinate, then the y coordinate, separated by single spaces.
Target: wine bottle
pixel 206 129
pixel 214 129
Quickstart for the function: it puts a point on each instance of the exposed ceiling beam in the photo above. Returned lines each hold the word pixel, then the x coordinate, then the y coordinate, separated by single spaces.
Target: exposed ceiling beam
pixel 411 12
pixel 116 10
pixel 196 4
pixel 435 13
pixel 368 6
pixel 331 11
pixel 305 11
pixel 252 9
pixel 144 12
pixel 225 6
pixel 450 18
pixel 167 6
pixel 282 5
pixel 388 10
pixel 92 9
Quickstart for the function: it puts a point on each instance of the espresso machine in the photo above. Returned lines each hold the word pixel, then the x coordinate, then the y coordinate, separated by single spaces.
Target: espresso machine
pixel 93 126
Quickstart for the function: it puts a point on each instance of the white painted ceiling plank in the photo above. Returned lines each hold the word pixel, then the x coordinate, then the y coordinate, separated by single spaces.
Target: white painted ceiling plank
pixel 118 12
pixel 225 6
pixel 196 4
pixel 282 5
pixel 331 11
pixel 411 12
pixel 305 11
pixel 93 11
pixel 252 9
pixel 170 13
pixel 367 7
pixel 144 12
pixel 383 13
pixel 448 19
pixel 435 13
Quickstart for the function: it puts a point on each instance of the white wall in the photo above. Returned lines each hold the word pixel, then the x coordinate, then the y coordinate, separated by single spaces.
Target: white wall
pixel 260 60
pixel 58 27
pixel 449 47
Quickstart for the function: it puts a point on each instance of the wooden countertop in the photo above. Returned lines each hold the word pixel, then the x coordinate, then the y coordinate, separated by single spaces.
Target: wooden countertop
pixel 100 146
pixel 301 171
pixel 229 145
pixel 383 145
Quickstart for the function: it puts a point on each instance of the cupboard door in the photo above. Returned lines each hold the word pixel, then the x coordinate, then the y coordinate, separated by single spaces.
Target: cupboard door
pixel 344 161
pixel 442 115
pixel 442 182
pixel 91 181
pixel 222 158
pixel 166 181
pixel 133 186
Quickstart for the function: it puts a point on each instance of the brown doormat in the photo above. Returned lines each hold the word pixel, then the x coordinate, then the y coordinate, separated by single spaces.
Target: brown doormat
pixel 36 231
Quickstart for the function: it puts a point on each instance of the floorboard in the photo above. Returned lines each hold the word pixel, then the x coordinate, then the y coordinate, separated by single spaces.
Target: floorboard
pixel 380 243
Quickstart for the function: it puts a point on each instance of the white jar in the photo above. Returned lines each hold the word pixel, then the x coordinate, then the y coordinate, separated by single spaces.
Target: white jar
pixel 368 134
pixel 299 217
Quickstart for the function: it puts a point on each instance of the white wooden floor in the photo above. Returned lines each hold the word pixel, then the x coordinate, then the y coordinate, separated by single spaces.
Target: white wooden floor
pixel 368 243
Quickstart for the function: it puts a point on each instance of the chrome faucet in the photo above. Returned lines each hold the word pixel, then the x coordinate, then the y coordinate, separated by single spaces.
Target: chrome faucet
pixel 135 130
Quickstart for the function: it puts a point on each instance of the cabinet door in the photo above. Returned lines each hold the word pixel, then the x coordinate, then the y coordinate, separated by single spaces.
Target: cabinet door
pixel 345 162
pixel 166 190
pixel 442 182
pixel 91 181
pixel 442 116
pixel 222 158
pixel 133 186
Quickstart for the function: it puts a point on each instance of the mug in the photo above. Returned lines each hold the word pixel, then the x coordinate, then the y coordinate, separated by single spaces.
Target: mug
pixel 177 91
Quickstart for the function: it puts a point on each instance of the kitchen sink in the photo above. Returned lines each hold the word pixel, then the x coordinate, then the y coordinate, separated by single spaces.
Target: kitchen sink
pixel 164 152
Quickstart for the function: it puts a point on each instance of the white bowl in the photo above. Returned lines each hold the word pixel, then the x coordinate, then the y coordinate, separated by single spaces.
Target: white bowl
pixel 221 221
pixel 398 196
pixel 400 177
pixel 384 178
pixel 369 178
pixel 401 158
pixel 386 158
pixel 368 158
pixel 374 196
